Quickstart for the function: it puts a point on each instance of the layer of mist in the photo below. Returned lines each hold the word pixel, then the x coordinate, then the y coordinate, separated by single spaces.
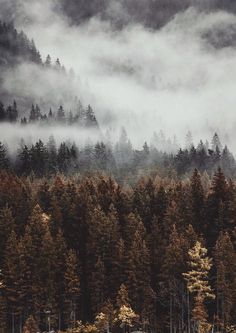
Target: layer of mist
pixel 178 78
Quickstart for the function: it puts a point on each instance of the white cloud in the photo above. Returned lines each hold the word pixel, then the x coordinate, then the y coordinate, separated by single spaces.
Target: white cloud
pixel 146 80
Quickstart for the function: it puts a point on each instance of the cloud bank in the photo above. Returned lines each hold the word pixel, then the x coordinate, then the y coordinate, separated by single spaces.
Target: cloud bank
pixel 178 78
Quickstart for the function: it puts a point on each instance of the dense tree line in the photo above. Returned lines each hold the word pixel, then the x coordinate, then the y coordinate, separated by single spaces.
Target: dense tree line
pixel 82 116
pixel 16 47
pixel 119 159
pixel 159 255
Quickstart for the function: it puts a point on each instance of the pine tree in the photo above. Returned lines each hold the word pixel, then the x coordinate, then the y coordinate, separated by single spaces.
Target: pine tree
pixel 217 206
pixel 32 116
pixel 104 320
pixel 97 286
pixel 7 225
pixel 52 155
pixel 37 239
pixel 12 276
pixel 225 262
pixel 61 114
pixel 171 278
pixel 126 317
pixel 72 286
pixel 189 140
pixel 215 143
pixel 24 162
pixel 90 118
pixel 3 314
pixel 30 326
pixel 58 64
pixel 122 297
pixel 4 161
pixel 197 201
pixel 198 285
pixel 48 61
pixel 138 276
pixel 2 112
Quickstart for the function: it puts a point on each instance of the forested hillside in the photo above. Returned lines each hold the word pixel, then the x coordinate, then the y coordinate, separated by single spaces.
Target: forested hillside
pixel 15 47
pixel 91 250
pixel 117 176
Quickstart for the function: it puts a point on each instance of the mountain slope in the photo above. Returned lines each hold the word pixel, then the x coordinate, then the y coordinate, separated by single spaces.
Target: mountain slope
pixel 15 47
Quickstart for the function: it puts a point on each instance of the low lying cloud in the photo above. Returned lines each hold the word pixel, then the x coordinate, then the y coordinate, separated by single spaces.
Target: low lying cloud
pixel 181 77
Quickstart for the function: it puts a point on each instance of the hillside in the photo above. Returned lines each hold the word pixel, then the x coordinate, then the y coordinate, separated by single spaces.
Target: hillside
pixel 15 47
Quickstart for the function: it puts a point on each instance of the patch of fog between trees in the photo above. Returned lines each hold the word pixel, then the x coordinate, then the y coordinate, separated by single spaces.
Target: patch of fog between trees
pixel 16 135
pixel 171 79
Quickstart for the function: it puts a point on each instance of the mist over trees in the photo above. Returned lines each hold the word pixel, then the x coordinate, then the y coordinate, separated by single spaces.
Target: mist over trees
pixel 99 234
pixel 152 13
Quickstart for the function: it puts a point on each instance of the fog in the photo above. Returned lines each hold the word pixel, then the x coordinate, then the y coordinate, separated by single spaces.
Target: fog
pixel 14 136
pixel 178 78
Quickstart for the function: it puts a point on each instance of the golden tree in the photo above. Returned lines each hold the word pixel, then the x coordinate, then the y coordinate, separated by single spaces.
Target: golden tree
pixel 198 285
pixel 126 317
pixel 30 326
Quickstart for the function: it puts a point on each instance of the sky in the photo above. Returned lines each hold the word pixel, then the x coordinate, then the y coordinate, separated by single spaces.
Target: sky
pixel 177 78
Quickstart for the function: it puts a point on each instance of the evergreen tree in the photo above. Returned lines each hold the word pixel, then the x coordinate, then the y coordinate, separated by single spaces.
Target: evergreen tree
pixel 4 161
pixel 225 261
pixel 24 165
pixel 72 286
pixel 197 201
pixel 48 61
pixel 61 114
pixel 30 326
pixel 97 284
pixel 122 297
pixel 3 314
pixel 2 112
pixel 198 284
pixel 216 144
pixel 7 225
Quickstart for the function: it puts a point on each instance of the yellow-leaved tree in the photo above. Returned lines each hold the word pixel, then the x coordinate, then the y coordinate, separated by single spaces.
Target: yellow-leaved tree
pixel 125 315
pixel 197 279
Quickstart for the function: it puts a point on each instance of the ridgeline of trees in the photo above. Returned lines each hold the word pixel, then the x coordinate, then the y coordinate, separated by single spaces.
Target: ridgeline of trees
pixel 160 255
pixel 121 160
pixel 83 117
pixel 16 47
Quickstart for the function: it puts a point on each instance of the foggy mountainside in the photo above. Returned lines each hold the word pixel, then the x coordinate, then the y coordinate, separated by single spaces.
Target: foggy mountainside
pixel 117 166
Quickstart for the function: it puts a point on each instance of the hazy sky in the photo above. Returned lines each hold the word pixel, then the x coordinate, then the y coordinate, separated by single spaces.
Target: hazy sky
pixel 171 79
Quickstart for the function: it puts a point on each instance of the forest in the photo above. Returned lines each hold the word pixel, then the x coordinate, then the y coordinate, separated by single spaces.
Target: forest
pixel 89 255
pixel 100 234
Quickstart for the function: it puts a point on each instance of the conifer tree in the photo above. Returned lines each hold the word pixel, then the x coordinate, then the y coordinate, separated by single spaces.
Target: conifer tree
pixel 122 296
pixel 72 286
pixel 171 277
pixel 197 201
pixel 104 320
pixel 7 225
pixel 30 326
pixel 97 286
pixel 3 314
pixel 48 61
pixel 225 261
pixel 198 285
pixel 2 112
pixel 60 114
pixel 4 161
pixel 124 316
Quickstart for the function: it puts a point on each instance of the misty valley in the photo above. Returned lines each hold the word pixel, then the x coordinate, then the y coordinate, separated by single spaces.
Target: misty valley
pixel 117 166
